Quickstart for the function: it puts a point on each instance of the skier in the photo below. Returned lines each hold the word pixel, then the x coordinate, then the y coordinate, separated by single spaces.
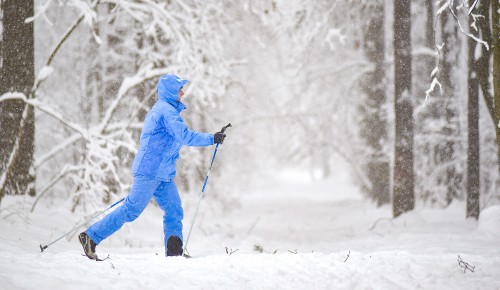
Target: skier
pixel 163 134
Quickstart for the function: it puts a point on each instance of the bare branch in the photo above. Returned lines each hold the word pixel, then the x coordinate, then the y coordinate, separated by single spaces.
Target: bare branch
pixel 230 251
pixel 472 7
pixel 465 266
pixel 67 170
pixel 64 145
pixel 46 109
pixel 146 73
pixel 468 34
pixel 60 44
pixel 348 255
pixel 64 38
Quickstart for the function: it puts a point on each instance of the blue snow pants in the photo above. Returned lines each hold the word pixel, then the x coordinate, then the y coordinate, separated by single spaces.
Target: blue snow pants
pixel 143 189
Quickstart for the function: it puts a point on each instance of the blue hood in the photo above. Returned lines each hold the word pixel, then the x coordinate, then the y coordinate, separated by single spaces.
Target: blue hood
pixel 168 90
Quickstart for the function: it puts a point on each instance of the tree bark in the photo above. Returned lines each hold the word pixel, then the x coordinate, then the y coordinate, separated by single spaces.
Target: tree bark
pixel 495 28
pixel 17 75
pixel 403 193
pixel 473 153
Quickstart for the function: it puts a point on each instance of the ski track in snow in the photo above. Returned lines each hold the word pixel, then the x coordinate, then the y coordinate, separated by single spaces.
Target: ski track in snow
pixel 313 236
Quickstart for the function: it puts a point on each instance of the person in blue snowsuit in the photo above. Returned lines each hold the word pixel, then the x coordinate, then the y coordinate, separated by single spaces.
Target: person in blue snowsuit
pixel 163 135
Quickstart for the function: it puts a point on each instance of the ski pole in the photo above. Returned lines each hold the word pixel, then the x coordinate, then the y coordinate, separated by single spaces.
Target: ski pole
pixel 81 225
pixel 202 194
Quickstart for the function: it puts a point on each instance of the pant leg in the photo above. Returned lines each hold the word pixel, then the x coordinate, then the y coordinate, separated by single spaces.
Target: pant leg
pixel 169 201
pixel 141 192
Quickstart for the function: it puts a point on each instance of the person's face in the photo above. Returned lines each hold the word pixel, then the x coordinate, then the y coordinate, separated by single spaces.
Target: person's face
pixel 181 93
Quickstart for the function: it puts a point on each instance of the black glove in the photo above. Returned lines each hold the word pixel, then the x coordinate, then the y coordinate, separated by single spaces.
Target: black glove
pixel 219 137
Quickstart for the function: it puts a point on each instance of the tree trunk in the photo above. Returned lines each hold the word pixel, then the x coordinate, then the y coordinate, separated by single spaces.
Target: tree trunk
pixel 374 125
pixel 473 160
pixel 495 20
pixel 448 150
pixel 17 75
pixel 403 193
pixel 429 24
pixel 422 66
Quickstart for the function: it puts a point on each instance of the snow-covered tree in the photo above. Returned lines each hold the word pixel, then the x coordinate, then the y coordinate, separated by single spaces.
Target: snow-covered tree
pixel 127 47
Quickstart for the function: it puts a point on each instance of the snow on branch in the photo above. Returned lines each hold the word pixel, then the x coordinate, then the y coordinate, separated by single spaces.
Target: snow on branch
pixel 99 161
pixel 40 11
pixel 434 83
pixel 443 7
pixel 472 6
pixel 86 9
pixel 447 5
pixel 46 109
pixel 144 74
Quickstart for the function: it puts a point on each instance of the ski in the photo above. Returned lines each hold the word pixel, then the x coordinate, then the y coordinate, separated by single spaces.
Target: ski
pixel 97 259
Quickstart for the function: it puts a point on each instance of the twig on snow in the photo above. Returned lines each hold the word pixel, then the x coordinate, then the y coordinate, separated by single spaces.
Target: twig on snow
pixel 466 266
pixel 230 251
pixel 348 255
pixel 379 220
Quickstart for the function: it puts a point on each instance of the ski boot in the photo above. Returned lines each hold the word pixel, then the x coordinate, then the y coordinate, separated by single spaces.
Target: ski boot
pixel 174 246
pixel 88 246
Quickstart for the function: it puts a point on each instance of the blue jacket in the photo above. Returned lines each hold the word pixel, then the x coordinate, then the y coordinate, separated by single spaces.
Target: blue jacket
pixel 165 132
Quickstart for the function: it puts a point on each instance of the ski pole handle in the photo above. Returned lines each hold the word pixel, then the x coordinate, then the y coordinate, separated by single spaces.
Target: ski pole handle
pixel 225 127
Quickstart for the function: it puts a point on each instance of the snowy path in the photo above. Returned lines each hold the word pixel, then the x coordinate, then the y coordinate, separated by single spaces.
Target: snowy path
pixel 417 250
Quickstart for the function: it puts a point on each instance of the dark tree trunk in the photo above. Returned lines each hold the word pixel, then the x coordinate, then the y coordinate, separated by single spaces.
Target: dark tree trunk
pixel 17 75
pixel 374 126
pixel 429 24
pixel 448 150
pixel 495 20
pixel 403 194
pixel 473 173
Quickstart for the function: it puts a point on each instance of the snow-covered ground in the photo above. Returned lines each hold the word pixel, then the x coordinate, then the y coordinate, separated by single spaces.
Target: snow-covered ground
pixel 296 234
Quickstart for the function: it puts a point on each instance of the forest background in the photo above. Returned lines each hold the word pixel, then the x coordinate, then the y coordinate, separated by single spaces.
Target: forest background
pixel 406 93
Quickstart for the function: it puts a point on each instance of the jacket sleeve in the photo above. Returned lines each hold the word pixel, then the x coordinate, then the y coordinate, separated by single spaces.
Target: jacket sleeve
pixel 176 126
